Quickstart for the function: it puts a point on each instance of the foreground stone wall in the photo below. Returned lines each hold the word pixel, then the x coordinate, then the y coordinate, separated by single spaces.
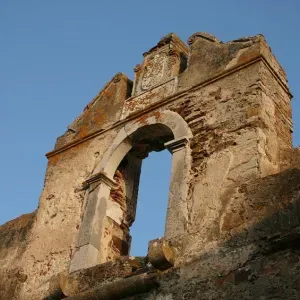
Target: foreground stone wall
pixel 223 111
pixel 262 262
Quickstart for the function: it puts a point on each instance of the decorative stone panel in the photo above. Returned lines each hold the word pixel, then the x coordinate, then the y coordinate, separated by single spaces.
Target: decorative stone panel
pixel 161 63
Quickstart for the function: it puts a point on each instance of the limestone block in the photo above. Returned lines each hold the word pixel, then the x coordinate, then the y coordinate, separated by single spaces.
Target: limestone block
pixel 160 254
pixel 114 212
pixel 86 256
pixel 206 203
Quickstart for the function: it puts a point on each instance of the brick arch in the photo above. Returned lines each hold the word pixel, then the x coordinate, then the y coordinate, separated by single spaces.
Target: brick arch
pixel 90 242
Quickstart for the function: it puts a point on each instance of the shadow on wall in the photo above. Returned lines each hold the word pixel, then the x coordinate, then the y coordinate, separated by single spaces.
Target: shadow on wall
pixel 259 261
pixel 262 261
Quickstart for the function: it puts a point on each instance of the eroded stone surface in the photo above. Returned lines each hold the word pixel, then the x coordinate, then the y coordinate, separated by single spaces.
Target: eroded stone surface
pixel 223 110
pixel 160 254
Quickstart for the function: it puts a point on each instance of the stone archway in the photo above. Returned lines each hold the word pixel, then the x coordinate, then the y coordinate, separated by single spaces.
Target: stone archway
pixel 174 135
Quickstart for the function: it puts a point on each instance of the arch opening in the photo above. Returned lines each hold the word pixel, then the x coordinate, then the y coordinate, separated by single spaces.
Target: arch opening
pixel 111 204
pixel 145 140
pixel 152 202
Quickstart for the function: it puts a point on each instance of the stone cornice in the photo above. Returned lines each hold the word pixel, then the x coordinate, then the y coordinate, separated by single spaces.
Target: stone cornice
pixel 100 177
pixel 177 144
pixel 174 97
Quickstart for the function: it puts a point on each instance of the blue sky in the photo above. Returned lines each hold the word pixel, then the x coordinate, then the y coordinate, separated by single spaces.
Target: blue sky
pixel 56 55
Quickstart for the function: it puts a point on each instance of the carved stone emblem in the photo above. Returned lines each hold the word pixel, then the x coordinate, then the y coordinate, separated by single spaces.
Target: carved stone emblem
pixel 154 71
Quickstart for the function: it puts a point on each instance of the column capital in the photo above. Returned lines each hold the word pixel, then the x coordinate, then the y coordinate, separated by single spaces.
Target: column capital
pixel 103 178
pixel 177 144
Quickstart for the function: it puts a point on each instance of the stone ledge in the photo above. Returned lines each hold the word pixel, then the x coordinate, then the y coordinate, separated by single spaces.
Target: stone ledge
pixel 85 279
pixel 121 288
pixel 102 177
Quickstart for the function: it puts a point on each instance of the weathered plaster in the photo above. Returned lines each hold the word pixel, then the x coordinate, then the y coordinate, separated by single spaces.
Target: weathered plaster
pixel 223 110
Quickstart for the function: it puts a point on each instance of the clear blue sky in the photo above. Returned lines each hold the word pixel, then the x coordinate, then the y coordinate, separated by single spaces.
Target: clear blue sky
pixel 56 55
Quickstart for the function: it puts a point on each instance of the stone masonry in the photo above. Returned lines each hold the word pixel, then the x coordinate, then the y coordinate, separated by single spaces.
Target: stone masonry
pixel 232 229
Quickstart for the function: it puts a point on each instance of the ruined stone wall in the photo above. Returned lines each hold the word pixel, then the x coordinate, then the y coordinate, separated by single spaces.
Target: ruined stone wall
pixel 261 262
pixel 227 107
pixel 277 116
pixel 59 215
pixel 224 148
pixel 14 237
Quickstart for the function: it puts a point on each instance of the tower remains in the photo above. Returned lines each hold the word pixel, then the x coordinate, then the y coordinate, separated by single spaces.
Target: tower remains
pixel 232 229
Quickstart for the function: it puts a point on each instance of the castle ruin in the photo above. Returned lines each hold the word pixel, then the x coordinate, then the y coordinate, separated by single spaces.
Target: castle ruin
pixel 232 229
